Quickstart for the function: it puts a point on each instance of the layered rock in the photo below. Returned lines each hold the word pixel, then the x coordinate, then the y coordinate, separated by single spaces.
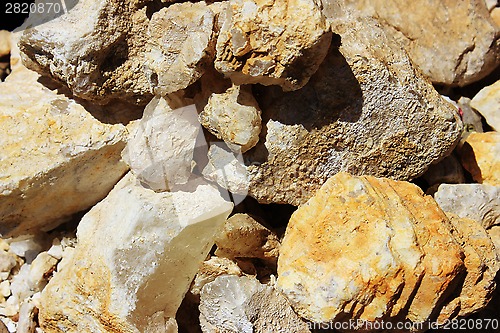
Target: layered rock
pixel 180 38
pixel 97 49
pixel 487 102
pixel 480 156
pixel 134 246
pixel 233 116
pixel 235 304
pixel 160 151
pixel 425 28
pixel 474 201
pixel 272 42
pixel 365 111
pixel 56 159
pixel 243 237
pixel 377 249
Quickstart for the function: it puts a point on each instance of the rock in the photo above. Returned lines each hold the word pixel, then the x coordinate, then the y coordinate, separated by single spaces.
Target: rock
pixel 473 122
pixel 227 169
pixel 56 159
pixel 243 237
pixel 134 246
pixel 3 328
pixel 40 269
pixel 495 16
pixel 487 102
pixel 4 43
pixel 449 170
pixel 494 233
pixel 234 304
pixel 180 38
pixel 7 262
pixel 490 4
pixel 28 246
pixel 212 268
pixel 365 111
pixel 272 42
pixel 233 116
pixel 425 28
pixel 26 323
pixel 5 288
pixel 479 156
pixel 97 50
pixel 369 249
pixel 482 264
pixel 160 151
pixel 474 201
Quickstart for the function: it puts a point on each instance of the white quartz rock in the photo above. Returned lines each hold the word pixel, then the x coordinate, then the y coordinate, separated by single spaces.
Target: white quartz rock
pixel 160 152
pixel 479 202
pixel 137 253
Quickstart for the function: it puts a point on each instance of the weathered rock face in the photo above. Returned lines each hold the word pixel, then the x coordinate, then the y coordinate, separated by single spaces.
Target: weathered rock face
pixel 235 304
pixel 180 37
pixel 474 201
pixel 243 237
pixel 426 27
pixel 4 43
pixel 97 49
pixel 212 268
pixel 165 235
pixel 160 151
pixel 378 249
pixel 272 42
pixel 482 263
pixel 494 233
pixel 479 156
pixel 366 111
pixel 487 102
pixel 233 116
pixel 55 158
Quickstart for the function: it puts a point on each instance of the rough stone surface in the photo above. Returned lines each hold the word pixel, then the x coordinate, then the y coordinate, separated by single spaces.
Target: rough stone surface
pixel 4 43
pixel 369 248
pixel 55 158
pixel 487 102
pixel 272 42
pixel 226 169
pixel 233 304
pixel 482 264
pixel 212 268
pixel 134 246
pixel 97 49
pixel 243 237
pixel 480 155
pixel 180 38
pixel 426 27
pixel 474 201
pixel 233 116
pixel 473 122
pixel 494 233
pixel 365 111
pixel 160 151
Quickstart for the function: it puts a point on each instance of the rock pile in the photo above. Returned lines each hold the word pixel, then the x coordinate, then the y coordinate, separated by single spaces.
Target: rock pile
pixel 249 166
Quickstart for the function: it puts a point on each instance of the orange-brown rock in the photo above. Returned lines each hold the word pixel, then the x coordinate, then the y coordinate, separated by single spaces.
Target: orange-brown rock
pixel 480 156
pixel 377 249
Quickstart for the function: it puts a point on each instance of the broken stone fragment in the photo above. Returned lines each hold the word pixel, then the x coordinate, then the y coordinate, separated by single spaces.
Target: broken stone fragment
pixel 272 42
pixel 243 237
pixel 480 156
pixel 160 151
pixel 133 247
pixel 425 29
pixel 474 201
pixel 494 233
pixel 233 304
pixel 487 102
pixel 482 264
pixel 371 249
pixel 212 268
pixel 233 116
pixel 180 39
pixel 367 110
pixel 97 50
pixel 56 159
pixel 227 169
pixel 4 43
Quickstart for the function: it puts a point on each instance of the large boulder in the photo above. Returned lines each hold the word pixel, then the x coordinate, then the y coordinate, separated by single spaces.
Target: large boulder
pixel 367 110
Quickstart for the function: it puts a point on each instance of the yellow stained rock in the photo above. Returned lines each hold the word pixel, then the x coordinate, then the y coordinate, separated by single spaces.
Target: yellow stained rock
pixel 480 156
